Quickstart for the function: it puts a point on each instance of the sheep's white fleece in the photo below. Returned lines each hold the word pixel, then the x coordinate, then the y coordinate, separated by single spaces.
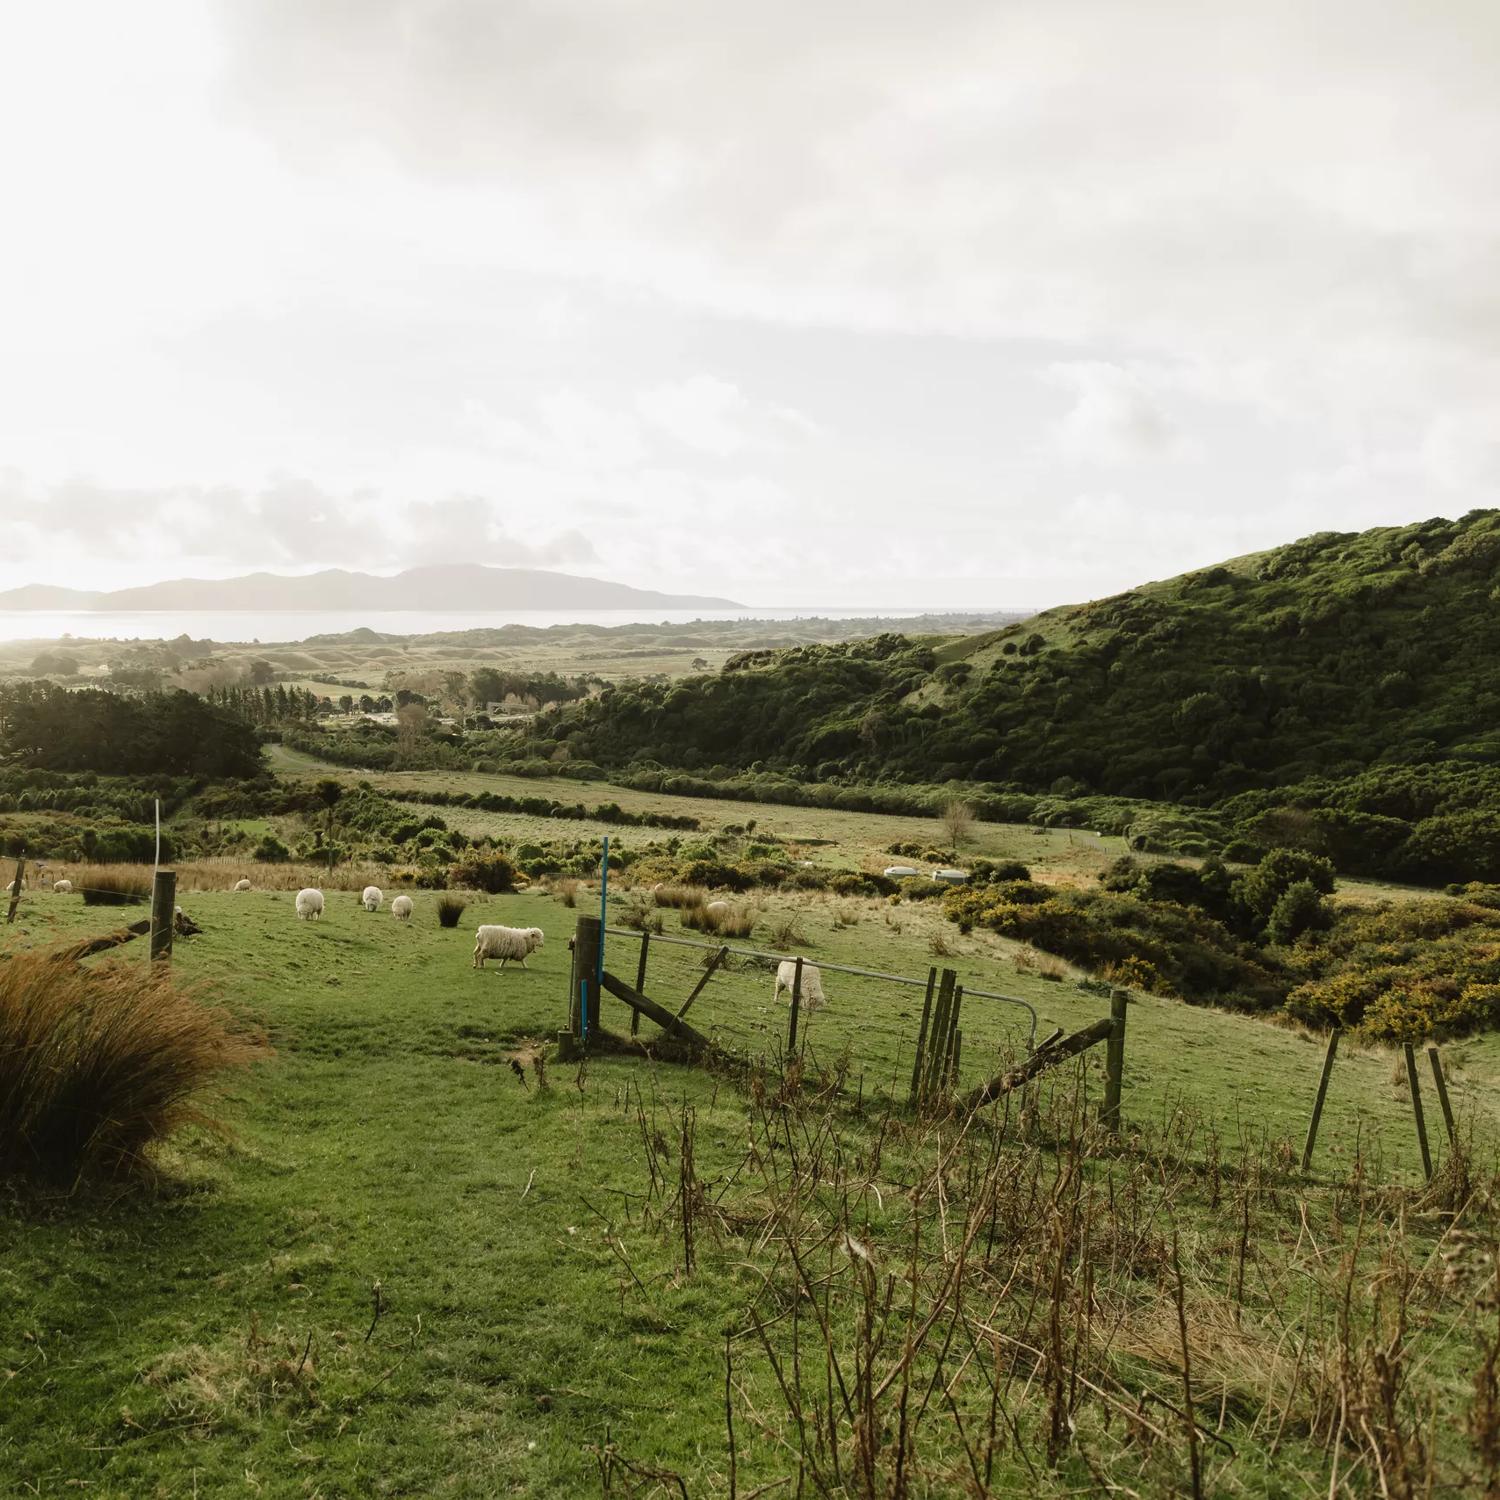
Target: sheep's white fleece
pixel 811 994
pixel 505 943
pixel 401 908
pixel 372 897
pixel 309 904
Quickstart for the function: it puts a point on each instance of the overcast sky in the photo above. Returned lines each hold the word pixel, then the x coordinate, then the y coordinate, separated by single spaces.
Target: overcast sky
pixel 989 302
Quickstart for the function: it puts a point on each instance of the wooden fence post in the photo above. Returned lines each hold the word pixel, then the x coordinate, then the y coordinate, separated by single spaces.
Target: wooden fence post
pixel 586 971
pixel 163 909
pixel 916 1067
pixel 791 1036
pixel 1442 1093
pixel 937 1038
pixel 640 981
pixel 1317 1114
pixel 1416 1107
pixel 1114 1062
pixel 950 1052
pixel 15 890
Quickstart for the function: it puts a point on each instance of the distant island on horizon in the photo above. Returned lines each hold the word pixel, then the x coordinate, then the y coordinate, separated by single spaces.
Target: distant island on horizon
pixel 448 587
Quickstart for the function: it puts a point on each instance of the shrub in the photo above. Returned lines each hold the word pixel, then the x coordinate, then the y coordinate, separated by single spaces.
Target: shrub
pixel 852 883
pixel 98 1064
pixel 449 910
pixel 491 872
pixel 271 850
pixel 103 885
pixel 566 891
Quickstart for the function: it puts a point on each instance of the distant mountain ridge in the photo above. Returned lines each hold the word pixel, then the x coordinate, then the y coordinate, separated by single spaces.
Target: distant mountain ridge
pixel 447 587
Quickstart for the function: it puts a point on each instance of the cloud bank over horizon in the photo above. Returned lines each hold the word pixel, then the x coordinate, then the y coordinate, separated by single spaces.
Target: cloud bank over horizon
pixel 842 305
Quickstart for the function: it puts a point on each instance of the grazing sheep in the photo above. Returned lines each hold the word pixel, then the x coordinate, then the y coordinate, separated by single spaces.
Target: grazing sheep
pixel 372 897
pixel 242 885
pixel 401 908
pixel 309 904
pixel 63 887
pixel 811 995
pixel 505 943
pixel 718 908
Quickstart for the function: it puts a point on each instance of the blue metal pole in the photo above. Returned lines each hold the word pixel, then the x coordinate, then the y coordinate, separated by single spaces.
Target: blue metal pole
pixel 603 919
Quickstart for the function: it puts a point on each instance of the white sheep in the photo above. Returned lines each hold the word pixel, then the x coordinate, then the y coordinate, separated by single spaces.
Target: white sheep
pixel 718 908
pixel 401 908
pixel 242 885
pixel 505 943
pixel 309 904
pixel 811 992
pixel 63 887
pixel 372 897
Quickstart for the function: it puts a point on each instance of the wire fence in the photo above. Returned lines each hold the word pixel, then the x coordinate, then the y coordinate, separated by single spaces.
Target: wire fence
pixel 867 1025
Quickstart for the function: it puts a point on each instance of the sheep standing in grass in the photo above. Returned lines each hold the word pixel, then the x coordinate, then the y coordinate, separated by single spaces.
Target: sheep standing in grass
pixel 63 887
pixel 401 908
pixel 309 904
pixel 242 885
pixel 718 908
pixel 505 943
pixel 811 993
pixel 372 897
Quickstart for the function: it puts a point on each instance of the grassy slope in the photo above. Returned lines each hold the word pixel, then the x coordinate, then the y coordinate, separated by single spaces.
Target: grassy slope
pixel 1332 653
pixel 827 836
pixel 157 1342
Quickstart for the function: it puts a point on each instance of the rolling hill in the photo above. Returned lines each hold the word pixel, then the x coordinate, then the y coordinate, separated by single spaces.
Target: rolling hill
pixel 1311 677
pixel 451 587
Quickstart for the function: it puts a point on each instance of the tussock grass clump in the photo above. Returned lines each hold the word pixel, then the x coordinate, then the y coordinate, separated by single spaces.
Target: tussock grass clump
pixel 97 1064
pixel 788 935
pixel 566 891
pixel 113 885
pixel 449 910
pixel 680 896
pixel 736 922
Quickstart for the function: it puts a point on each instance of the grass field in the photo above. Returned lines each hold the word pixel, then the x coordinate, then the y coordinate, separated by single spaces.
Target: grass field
pixel 220 1334
pixel 845 840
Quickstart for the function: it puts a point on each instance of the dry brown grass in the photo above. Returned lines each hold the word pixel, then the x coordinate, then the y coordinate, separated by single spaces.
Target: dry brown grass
pixel 97 1064
pixel 112 885
pixel 1033 961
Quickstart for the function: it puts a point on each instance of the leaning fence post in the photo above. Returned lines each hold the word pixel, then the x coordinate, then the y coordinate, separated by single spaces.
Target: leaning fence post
pixel 791 1035
pixel 640 981
pixel 950 1052
pixel 15 890
pixel 1442 1093
pixel 163 909
pixel 916 1067
pixel 1114 1061
pixel 937 1040
pixel 1416 1107
pixel 1317 1114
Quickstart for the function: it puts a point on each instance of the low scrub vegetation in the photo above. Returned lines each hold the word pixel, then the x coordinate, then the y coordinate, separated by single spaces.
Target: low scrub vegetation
pixel 449 910
pixel 1270 938
pixel 99 1064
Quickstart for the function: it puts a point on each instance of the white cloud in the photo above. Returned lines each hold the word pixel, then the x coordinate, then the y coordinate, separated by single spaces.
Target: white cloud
pixel 599 272
pixel 1116 417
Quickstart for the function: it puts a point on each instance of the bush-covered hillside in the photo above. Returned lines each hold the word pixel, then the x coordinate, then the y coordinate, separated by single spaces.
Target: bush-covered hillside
pixel 1300 682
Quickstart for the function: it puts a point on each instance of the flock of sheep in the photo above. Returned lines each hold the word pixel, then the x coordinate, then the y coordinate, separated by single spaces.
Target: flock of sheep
pixel 508 944
pixel 513 944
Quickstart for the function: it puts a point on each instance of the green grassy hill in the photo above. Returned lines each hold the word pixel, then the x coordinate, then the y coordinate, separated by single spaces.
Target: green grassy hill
pixel 1306 680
